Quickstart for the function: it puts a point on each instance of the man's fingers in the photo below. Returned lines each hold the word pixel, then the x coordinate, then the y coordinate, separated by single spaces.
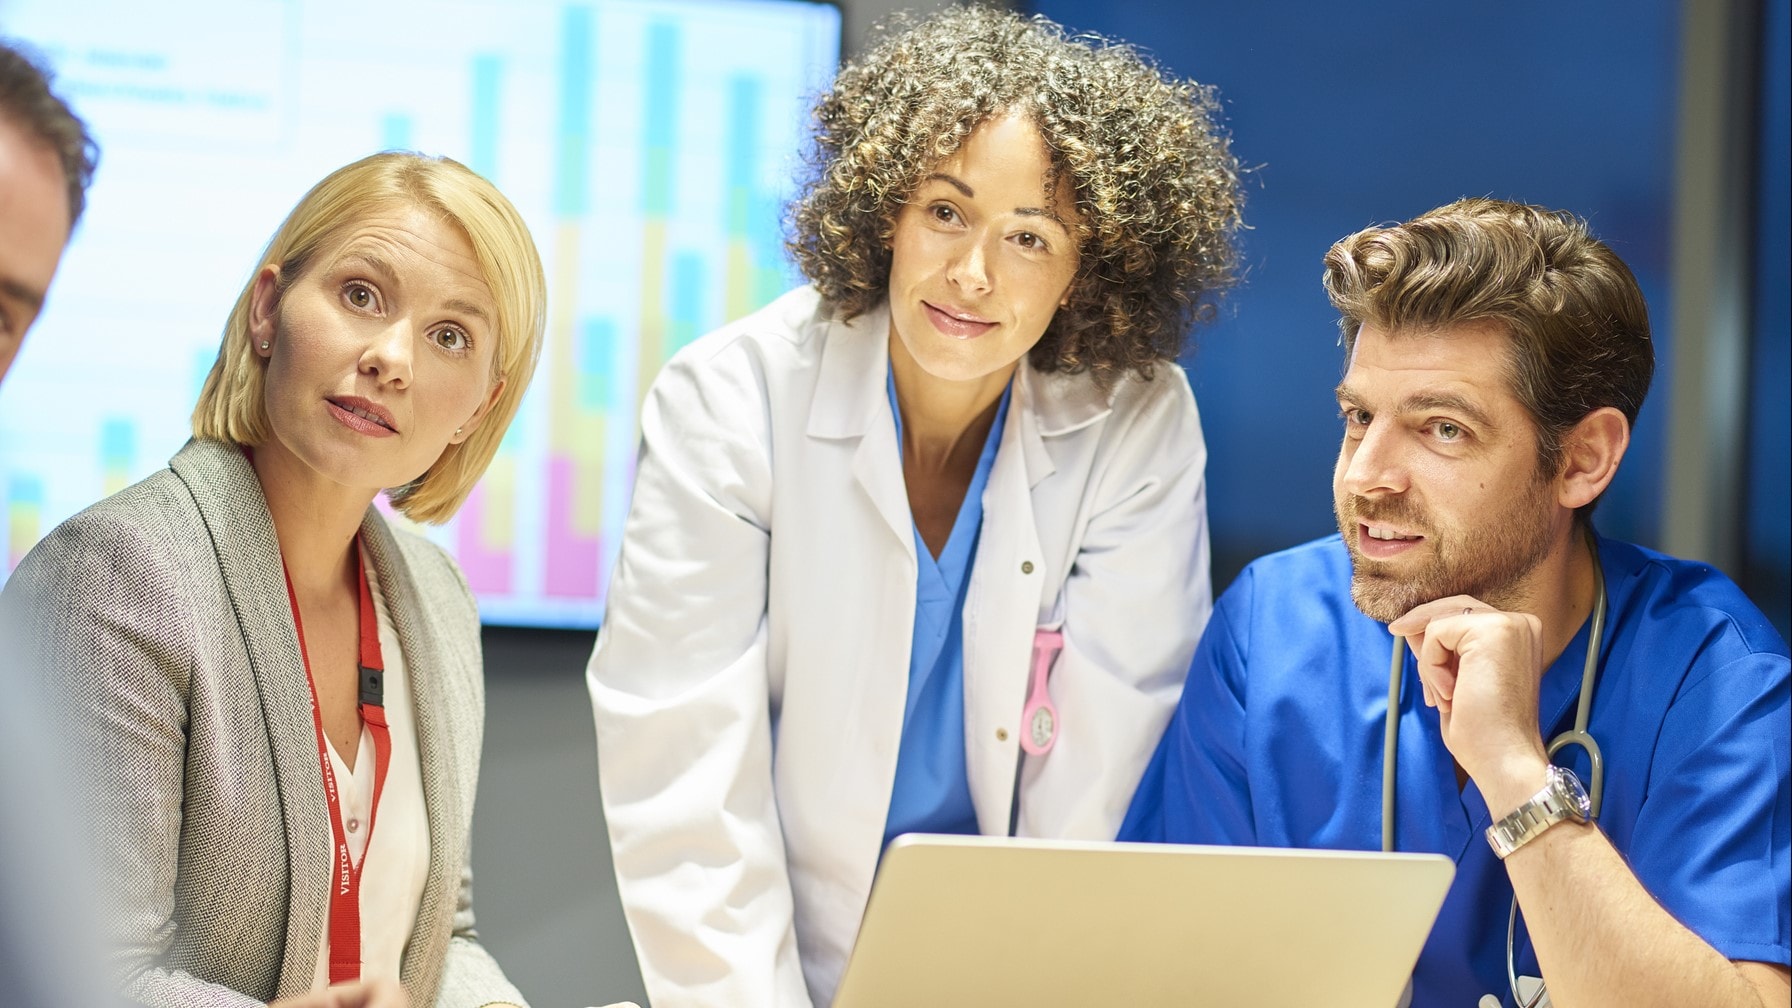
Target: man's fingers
pixel 1418 619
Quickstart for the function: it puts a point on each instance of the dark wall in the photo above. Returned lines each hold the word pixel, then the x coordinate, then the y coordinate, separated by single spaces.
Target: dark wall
pixel 1357 114
pixel 544 888
pixel 1767 545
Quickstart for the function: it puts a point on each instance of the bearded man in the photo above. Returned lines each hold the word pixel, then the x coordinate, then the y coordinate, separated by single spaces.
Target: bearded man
pixel 1497 355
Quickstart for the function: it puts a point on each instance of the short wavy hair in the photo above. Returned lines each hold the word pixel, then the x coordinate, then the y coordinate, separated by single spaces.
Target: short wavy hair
pixel 233 403
pixel 1578 324
pixel 1155 182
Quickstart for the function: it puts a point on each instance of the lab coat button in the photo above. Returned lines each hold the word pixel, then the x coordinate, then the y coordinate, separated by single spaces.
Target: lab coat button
pixel 1001 734
pixel 1026 566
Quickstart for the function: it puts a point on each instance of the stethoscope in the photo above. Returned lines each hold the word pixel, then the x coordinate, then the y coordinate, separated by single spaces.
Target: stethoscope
pixel 1576 736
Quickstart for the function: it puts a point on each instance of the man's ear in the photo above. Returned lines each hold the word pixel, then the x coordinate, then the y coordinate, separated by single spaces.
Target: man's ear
pixel 1591 451
pixel 264 309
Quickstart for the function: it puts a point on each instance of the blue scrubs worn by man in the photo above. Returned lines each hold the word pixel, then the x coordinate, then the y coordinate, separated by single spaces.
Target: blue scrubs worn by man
pixel 1497 358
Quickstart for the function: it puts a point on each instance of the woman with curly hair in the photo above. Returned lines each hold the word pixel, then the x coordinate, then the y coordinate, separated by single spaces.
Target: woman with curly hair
pixel 921 546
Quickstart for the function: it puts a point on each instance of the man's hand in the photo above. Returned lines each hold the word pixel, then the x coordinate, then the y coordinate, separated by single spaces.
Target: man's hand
pixel 1481 668
pixel 380 992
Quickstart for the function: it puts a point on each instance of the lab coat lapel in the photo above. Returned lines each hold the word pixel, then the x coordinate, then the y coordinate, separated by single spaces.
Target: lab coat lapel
pixel 852 401
pixel 877 468
pixel 870 639
pixel 1061 404
pixel 1010 586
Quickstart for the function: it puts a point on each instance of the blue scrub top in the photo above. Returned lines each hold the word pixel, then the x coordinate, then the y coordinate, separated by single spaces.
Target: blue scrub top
pixel 932 793
pixel 1278 742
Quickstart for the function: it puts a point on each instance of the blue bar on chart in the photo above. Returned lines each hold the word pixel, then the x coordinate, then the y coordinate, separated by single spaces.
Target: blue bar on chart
pixel 482 142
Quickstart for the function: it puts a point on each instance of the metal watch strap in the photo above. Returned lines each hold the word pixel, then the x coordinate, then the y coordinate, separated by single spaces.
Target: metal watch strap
pixel 1560 798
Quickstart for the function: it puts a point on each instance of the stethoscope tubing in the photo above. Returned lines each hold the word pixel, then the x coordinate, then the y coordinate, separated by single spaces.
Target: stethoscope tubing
pixel 1577 736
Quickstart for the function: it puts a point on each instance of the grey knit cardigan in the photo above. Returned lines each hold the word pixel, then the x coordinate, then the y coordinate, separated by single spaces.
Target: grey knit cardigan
pixel 159 618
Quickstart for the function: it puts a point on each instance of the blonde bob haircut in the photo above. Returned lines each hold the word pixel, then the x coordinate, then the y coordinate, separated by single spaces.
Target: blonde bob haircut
pixel 233 404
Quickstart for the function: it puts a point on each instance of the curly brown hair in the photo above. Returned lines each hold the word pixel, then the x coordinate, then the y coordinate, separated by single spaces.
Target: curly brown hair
pixel 1155 182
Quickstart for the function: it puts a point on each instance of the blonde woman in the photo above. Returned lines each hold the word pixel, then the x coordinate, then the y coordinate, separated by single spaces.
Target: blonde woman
pixel 278 693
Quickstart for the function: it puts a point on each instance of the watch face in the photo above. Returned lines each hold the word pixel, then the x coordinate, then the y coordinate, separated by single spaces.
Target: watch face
pixel 1569 786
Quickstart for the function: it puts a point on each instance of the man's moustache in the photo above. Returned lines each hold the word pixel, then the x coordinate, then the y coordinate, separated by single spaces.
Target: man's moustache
pixel 1399 514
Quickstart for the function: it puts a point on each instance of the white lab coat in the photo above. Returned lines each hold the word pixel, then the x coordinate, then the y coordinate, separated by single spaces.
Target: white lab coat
pixel 750 678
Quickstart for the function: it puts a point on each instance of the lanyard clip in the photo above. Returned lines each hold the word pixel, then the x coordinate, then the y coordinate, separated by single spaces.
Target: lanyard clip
pixel 373 687
pixel 1039 719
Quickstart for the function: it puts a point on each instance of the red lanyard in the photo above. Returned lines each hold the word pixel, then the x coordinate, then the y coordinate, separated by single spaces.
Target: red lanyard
pixel 345 892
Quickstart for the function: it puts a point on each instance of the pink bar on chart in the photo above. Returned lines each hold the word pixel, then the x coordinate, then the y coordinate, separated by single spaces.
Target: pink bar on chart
pixel 487 570
pixel 571 557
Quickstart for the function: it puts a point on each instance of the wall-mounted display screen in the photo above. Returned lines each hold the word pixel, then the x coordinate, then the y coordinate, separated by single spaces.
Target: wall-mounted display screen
pixel 650 144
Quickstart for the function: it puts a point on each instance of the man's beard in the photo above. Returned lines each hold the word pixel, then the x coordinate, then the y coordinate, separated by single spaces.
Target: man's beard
pixel 1489 561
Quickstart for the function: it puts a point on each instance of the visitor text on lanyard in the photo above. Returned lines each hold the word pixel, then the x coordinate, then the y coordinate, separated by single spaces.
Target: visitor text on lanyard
pixel 345 887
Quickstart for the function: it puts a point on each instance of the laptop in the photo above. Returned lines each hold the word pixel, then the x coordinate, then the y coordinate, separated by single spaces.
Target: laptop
pixel 990 921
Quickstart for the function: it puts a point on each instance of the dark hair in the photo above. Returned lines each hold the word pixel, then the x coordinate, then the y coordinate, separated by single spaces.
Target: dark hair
pixel 1155 183
pixel 1578 324
pixel 27 102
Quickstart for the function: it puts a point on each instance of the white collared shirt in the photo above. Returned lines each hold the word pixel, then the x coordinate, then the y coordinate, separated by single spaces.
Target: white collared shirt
pixel 392 881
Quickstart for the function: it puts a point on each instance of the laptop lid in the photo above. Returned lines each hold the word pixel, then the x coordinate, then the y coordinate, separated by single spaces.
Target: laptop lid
pixel 971 920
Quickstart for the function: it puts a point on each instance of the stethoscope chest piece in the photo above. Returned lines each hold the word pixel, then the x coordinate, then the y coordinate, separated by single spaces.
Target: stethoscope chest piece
pixel 1039 718
pixel 1042 729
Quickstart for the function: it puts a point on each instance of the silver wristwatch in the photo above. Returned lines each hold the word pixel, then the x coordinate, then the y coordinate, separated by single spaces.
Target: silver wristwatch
pixel 1562 798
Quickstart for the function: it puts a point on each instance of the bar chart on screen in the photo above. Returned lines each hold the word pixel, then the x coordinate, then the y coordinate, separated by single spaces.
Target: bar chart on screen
pixel 650 145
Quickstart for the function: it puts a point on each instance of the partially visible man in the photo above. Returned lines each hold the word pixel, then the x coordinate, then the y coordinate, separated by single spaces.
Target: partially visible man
pixel 1497 358
pixel 46 162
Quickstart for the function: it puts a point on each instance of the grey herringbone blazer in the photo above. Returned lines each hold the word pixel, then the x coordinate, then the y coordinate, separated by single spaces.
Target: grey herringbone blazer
pixel 161 618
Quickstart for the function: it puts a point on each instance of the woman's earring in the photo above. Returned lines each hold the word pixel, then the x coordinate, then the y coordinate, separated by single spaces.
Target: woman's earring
pixel 457 431
pixel 264 345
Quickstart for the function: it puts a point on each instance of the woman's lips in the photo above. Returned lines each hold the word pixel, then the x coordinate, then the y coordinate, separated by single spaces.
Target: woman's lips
pixel 950 323
pixel 361 415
